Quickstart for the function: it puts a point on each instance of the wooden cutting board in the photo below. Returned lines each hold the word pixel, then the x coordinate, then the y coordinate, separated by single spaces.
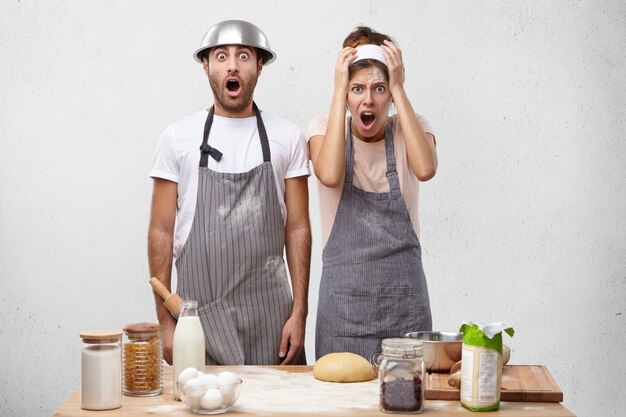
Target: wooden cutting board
pixel 526 383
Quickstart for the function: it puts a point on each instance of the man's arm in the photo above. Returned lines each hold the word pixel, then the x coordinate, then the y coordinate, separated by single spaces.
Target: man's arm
pixel 298 248
pixel 160 252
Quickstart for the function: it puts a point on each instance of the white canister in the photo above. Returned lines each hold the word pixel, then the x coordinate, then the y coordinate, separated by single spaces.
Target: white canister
pixel 101 370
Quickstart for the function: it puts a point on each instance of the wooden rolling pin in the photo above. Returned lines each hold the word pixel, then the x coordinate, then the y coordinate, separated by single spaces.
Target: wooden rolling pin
pixel 454 380
pixel 170 301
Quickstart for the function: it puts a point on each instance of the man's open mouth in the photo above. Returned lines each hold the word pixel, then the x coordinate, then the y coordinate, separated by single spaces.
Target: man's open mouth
pixel 232 86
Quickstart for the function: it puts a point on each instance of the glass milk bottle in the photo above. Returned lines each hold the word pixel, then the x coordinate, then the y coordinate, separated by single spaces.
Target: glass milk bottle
pixel 101 370
pixel 188 350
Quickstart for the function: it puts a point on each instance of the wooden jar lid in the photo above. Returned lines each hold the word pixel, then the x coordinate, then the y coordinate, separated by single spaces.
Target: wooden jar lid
pixel 101 336
pixel 142 328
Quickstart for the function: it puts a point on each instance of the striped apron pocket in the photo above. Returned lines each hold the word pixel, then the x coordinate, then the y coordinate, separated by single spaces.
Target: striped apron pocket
pixel 221 337
pixel 372 312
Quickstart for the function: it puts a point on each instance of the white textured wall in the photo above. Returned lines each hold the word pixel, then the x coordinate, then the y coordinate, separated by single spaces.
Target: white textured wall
pixel 524 221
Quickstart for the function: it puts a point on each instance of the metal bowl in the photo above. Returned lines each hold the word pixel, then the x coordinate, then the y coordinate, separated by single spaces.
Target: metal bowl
pixel 441 349
pixel 236 32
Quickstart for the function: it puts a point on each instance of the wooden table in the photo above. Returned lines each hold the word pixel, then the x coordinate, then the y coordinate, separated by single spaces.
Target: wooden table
pixel 293 391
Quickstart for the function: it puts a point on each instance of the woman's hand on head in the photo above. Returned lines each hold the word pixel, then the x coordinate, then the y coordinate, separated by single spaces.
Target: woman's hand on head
pixel 395 65
pixel 342 80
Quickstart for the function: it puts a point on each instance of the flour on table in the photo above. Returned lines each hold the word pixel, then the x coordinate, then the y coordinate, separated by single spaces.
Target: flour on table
pixel 268 391
pixel 169 409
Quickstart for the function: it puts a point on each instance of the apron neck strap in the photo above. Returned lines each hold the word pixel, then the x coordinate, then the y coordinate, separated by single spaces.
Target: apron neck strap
pixel 392 174
pixel 265 143
pixel 206 150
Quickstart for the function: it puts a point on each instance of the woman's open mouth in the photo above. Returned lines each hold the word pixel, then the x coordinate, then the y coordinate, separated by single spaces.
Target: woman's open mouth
pixel 368 119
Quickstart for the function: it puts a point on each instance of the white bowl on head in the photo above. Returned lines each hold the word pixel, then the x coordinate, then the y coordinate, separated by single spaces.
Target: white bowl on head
pixel 441 349
pixel 208 400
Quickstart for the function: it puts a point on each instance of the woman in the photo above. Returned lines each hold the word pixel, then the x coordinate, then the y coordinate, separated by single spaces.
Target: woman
pixel 369 166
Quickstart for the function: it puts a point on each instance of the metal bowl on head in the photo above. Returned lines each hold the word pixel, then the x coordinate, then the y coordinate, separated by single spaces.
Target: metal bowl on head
pixel 236 32
pixel 441 349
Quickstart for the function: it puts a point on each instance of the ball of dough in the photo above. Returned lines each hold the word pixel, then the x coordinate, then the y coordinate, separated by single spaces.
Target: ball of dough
pixel 343 367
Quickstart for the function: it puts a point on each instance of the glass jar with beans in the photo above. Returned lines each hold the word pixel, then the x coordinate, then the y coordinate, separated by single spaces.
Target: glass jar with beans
pixel 401 375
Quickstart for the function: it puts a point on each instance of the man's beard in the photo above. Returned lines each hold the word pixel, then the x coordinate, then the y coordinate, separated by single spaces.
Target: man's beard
pixel 233 105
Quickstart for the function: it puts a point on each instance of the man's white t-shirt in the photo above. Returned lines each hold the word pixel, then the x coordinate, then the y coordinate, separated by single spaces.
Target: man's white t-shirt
pixel 177 157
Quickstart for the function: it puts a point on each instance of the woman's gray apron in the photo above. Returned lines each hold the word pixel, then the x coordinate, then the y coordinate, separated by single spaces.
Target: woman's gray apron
pixel 373 283
pixel 232 262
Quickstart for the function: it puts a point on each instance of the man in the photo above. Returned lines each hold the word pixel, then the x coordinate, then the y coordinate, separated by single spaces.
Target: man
pixel 229 196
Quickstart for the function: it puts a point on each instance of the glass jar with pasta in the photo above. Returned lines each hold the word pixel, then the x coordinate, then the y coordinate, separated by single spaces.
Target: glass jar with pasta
pixel 143 360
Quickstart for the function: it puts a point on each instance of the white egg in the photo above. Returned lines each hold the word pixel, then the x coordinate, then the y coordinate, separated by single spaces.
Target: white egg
pixel 211 399
pixel 226 378
pixel 186 374
pixel 195 387
pixel 210 380
pixel 226 381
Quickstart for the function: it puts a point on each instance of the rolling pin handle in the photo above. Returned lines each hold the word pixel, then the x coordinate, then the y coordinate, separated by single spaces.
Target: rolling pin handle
pixel 159 288
pixel 454 380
